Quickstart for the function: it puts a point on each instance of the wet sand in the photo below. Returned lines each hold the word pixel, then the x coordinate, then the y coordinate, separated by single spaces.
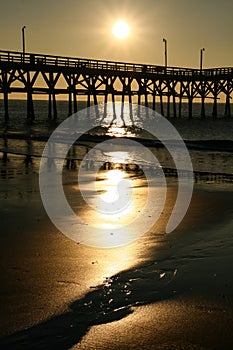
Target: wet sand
pixel 172 291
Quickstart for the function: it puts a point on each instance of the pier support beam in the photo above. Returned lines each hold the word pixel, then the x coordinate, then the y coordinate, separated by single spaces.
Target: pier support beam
pixel 146 99
pixel 215 93
pixel 105 104
pixel 139 105
pixel 113 107
pixel 96 104
pixel 168 105
pixel 130 107
pixel 154 101
pixel 122 108
pixel 180 107
pixel 29 88
pixel 88 99
pixel 30 107
pixel 5 87
pixel 69 104
pixel 190 103
pixel 54 106
pixel 146 104
pixel 75 101
pixel 202 93
pixel 50 106
pixel 174 105
pixel 6 107
pixel 202 106
pixel 215 111
pixel 161 104
pixel 227 112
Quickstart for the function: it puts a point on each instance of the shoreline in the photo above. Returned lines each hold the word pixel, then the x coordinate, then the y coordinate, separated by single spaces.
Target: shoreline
pixel 204 145
pixel 48 281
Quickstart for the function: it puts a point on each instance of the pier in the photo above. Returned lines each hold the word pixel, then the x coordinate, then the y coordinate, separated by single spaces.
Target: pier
pixel 97 81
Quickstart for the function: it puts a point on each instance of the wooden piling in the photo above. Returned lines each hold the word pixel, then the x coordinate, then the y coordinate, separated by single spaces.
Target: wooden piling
pixel 75 101
pixel 50 106
pixel 180 106
pixel 190 107
pixel 69 103
pixel 30 107
pixel 54 106
pixel 168 105
pixel 6 107
pixel 161 104
pixel 113 106
pixel 215 111
pixel 227 111
pixel 202 106
pixel 174 106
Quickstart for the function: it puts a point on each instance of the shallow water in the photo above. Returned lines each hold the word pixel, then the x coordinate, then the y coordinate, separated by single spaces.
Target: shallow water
pixel 32 136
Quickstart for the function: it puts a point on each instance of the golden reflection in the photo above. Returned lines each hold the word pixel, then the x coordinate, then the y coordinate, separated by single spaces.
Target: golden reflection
pixel 119 118
pixel 118 131
pixel 118 200
pixel 112 179
pixel 115 198
pixel 114 176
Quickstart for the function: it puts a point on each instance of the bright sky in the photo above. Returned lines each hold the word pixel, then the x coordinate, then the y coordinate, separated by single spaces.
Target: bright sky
pixel 83 28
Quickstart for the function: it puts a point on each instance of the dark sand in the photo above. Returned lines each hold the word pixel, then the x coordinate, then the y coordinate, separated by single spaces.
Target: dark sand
pixel 171 291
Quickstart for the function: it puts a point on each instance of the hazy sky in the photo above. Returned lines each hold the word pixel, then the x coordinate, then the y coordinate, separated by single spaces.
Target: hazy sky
pixel 82 28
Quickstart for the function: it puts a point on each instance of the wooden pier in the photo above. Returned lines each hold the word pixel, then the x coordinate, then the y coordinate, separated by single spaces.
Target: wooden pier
pixel 105 81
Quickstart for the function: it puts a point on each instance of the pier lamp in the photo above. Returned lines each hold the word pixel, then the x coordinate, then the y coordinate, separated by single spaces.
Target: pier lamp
pixel 23 38
pixel 201 58
pixel 165 52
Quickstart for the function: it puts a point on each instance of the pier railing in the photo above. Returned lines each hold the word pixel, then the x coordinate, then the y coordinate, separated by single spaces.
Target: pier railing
pixel 62 61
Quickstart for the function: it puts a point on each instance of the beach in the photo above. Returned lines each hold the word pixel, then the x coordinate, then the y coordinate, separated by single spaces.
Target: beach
pixel 162 291
pixel 116 175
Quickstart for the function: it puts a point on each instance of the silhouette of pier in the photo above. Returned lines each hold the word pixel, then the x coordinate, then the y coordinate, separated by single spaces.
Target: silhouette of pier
pixel 97 81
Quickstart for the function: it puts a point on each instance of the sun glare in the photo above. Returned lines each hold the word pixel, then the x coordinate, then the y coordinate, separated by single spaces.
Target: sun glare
pixel 115 176
pixel 121 29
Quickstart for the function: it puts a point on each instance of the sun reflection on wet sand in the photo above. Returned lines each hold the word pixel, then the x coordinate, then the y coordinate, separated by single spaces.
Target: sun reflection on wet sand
pixel 113 177
pixel 114 207
pixel 116 196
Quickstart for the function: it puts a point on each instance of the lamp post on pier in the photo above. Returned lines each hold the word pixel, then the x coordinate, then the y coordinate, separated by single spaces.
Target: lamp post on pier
pixel 201 58
pixel 165 52
pixel 202 85
pixel 23 39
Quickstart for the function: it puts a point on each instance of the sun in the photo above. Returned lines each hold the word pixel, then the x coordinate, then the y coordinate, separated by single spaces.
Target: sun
pixel 121 29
